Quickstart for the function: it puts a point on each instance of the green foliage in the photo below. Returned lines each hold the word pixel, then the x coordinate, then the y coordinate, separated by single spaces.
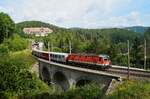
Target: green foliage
pixel 98 41
pixel 3 50
pixel 26 24
pixel 119 53
pixel 16 43
pixel 15 77
pixel 91 91
pixel 147 37
pixel 7 26
pixel 132 90
pixel 138 29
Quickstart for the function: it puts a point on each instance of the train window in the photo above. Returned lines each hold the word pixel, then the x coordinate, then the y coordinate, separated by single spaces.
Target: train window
pixel 59 56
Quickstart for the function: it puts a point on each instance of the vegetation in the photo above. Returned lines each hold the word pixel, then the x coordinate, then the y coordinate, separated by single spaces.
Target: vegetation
pixel 138 29
pixel 91 91
pixel 132 90
pixel 127 90
pixel 16 78
pixel 7 27
pixel 147 37
pixel 16 43
pixel 27 24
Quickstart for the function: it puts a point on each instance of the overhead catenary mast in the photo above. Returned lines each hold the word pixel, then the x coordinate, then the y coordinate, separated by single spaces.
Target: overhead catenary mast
pixel 128 59
pixel 51 46
pixel 48 47
pixel 144 53
pixel 70 48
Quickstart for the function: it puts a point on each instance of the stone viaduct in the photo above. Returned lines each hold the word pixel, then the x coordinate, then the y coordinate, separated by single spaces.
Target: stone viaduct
pixel 65 76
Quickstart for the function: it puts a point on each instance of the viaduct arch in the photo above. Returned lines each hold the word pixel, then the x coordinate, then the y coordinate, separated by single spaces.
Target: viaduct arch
pixel 66 76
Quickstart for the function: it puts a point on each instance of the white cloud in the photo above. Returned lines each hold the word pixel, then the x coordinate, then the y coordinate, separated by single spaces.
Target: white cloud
pixel 73 13
pixel 8 10
pixel 132 19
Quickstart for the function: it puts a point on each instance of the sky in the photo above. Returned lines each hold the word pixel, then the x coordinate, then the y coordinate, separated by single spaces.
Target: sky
pixel 80 13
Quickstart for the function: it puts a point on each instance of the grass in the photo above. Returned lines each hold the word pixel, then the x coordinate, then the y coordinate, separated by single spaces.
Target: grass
pixel 24 55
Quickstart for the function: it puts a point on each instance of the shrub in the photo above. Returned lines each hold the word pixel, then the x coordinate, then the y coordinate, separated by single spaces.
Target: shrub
pixel 16 43
pixel 132 90
pixel 16 79
pixel 3 50
pixel 91 91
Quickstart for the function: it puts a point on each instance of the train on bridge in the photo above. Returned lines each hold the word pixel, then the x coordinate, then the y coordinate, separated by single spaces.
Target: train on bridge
pixel 100 61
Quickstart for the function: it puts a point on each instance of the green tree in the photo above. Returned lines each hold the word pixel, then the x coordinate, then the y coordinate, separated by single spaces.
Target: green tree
pixel 147 37
pixel 7 26
pixel 16 43
pixel 137 53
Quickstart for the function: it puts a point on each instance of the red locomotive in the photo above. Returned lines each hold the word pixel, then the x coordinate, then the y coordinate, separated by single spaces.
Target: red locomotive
pixel 92 60
pixel 101 60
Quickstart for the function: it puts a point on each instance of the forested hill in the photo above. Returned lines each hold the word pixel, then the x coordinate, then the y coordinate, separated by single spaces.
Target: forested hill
pixel 114 34
pixel 55 28
pixel 26 24
pixel 138 29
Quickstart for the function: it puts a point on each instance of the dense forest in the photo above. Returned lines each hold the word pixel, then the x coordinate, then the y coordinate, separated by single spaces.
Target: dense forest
pixel 110 41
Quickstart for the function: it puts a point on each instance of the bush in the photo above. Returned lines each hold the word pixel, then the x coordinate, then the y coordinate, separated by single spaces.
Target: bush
pixel 132 90
pixel 3 50
pixel 15 77
pixel 16 43
pixel 91 91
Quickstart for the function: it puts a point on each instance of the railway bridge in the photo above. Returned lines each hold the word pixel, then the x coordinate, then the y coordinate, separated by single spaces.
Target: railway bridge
pixel 65 76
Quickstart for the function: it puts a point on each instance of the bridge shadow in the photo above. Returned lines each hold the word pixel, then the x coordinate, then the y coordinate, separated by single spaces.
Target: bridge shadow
pixel 46 76
pixel 61 81
pixel 83 82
